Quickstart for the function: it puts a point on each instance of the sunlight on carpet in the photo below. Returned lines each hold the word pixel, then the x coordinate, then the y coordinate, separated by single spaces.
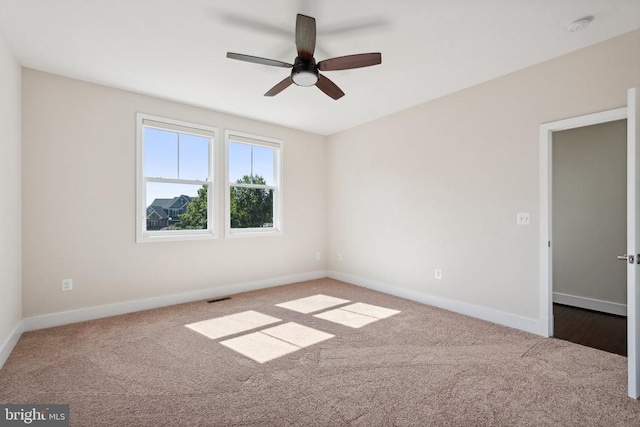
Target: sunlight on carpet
pixel 313 303
pixel 232 324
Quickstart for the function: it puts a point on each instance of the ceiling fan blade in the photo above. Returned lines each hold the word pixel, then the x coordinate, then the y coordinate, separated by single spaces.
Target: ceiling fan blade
pixel 258 60
pixel 329 87
pixel 350 61
pixel 279 87
pixel 305 37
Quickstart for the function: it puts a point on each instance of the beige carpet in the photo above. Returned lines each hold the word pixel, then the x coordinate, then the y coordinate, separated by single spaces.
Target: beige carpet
pixel 422 366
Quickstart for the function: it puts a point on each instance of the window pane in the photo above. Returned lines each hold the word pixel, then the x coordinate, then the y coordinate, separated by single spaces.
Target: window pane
pixel 263 163
pixel 251 164
pixel 194 157
pixel 251 207
pixel 239 161
pixel 176 206
pixel 160 153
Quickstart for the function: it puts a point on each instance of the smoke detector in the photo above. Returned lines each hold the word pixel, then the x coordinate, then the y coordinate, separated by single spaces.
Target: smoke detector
pixel 579 24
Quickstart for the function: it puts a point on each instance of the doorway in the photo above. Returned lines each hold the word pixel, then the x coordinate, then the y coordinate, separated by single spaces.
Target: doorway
pixel 589 228
pixel 632 255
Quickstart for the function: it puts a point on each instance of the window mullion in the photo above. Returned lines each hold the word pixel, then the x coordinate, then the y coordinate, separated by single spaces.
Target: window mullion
pixel 178 156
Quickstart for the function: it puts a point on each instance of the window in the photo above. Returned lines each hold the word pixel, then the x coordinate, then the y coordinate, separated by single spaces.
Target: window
pixel 253 185
pixel 175 171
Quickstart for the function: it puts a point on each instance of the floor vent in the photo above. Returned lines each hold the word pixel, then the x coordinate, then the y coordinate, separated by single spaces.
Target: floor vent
pixel 218 299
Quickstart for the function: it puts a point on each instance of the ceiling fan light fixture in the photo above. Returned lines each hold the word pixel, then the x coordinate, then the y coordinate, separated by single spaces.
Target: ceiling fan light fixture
pixel 304 77
pixel 304 73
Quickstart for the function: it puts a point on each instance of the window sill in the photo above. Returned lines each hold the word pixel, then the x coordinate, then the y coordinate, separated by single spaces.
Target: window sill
pixel 150 238
pixel 256 232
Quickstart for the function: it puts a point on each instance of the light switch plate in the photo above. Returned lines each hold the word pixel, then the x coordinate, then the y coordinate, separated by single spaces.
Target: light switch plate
pixel 523 218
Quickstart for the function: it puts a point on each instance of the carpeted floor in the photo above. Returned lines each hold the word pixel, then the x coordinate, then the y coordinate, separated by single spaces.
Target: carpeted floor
pixel 423 366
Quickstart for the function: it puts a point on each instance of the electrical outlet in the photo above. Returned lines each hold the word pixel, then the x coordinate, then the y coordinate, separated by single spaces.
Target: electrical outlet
pixel 438 273
pixel 339 257
pixel 318 256
pixel 67 285
pixel 523 218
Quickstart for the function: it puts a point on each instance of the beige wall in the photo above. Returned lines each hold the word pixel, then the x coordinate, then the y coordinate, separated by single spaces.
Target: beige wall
pixel 79 203
pixel 439 185
pixel 435 186
pixel 10 178
pixel 590 211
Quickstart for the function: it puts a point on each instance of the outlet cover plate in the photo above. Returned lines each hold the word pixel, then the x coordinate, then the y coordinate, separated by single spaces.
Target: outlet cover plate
pixel 67 285
pixel 523 218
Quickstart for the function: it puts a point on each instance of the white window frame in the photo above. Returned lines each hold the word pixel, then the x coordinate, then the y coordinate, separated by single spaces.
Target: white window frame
pixel 142 235
pixel 260 141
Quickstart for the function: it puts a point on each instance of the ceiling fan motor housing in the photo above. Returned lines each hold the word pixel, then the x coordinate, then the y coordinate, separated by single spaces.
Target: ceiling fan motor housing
pixel 304 73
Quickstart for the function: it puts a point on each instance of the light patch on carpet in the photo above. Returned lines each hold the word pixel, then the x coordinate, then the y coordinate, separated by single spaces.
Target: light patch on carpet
pixel 370 310
pixel 260 347
pixel 346 318
pixel 297 334
pixel 232 324
pixel 312 303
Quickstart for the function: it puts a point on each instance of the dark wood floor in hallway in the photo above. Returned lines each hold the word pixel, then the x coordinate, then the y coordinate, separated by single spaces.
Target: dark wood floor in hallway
pixel 594 329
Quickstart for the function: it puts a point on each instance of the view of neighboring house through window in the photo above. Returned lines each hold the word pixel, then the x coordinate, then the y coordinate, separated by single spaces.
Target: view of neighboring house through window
pixel 175 179
pixel 253 190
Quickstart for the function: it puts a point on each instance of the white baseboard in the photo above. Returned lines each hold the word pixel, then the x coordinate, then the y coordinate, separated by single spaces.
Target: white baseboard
pixel 507 319
pixel 545 327
pixel 10 343
pixel 91 313
pixel 590 303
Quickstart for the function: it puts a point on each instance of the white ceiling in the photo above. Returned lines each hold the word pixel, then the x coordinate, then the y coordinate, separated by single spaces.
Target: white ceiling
pixel 176 49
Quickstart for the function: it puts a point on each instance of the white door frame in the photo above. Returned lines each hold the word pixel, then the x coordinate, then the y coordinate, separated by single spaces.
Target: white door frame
pixel 546 249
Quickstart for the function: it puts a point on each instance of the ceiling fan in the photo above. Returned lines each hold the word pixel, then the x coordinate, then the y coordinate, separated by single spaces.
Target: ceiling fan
pixel 305 70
